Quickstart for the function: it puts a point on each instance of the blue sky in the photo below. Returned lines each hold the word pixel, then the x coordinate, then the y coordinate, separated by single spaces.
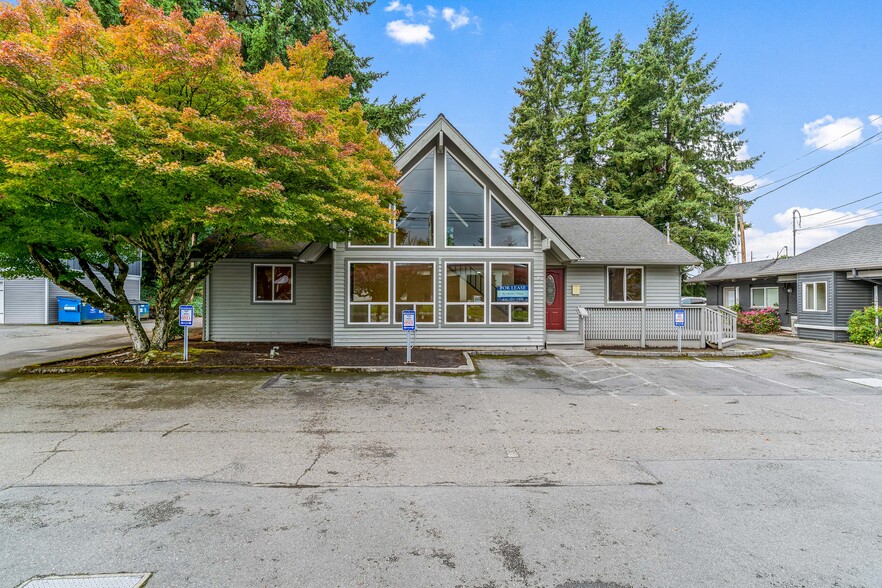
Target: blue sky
pixel 804 72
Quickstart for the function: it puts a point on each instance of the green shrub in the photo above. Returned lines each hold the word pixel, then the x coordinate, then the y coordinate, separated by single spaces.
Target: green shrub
pixel 862 327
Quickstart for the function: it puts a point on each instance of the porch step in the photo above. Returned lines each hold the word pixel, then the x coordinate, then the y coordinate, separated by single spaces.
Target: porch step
pixel 727 342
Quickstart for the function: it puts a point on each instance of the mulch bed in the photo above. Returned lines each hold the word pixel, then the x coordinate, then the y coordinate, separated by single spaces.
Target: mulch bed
pixel 257 355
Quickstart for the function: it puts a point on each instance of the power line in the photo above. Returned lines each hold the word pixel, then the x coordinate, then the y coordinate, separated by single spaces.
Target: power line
pixel 815 150
pixel 819 166
pixel 871 213
pixel 843 205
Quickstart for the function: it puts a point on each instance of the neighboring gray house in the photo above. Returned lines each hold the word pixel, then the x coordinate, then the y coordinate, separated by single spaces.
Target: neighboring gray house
pixel 741 284
pixel 478 265
pixel 33 301
pixel 820 288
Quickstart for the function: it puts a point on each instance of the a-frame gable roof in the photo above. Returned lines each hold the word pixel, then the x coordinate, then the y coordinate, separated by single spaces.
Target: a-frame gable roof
pixel 442 130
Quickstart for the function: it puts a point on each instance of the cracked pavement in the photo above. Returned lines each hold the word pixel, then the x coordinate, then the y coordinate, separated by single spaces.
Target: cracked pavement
pixel 567 470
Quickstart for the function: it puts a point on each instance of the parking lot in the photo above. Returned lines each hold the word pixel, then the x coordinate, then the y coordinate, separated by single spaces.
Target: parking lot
pixel 563 470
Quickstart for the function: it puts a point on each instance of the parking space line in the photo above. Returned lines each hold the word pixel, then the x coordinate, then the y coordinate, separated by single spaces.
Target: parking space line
pixel 838 367
pixel 797 388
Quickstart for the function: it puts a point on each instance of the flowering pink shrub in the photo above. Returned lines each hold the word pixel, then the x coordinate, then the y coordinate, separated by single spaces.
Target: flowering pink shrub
pixel 761 320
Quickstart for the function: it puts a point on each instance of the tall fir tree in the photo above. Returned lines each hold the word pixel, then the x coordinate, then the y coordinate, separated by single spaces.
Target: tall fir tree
pixel 670 153
pixel 583 101
pixel 534 162
pixel 613 68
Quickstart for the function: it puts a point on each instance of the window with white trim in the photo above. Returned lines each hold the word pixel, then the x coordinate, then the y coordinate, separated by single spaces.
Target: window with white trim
pixel 416 215
pixel 464 300
pixel 764 297
pixel 510 293
pixel 624 284
pixel 274 283
pixel 415 290
pixel 505 229
pixel 465 207
pixel 369 292
pixel 814 296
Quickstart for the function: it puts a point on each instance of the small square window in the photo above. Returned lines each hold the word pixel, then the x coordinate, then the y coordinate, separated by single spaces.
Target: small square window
pixel 273 283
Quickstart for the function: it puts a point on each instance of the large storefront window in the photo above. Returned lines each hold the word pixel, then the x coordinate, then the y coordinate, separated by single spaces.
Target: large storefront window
pixel 465 285
pixel 273 283
pixel 415 290
pixel 510 293
pixel 465 207
pixel 417 213
pixel 505 230
pixel 369 293
pixel 625 284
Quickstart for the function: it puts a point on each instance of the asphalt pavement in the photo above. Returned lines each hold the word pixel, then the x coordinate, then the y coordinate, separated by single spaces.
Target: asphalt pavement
pixel 569 470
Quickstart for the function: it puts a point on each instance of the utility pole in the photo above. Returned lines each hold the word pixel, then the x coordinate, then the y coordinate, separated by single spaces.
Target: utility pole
pixel 741 232
pixel 796 213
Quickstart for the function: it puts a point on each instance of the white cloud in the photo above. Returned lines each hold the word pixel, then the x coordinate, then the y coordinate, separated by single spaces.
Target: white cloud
pixel 397 6
pixel 456 19
pixel 765 245
pixel 749 180
pixel 431 11
pixel 876 121
pixel 408 33
pixel 832 134
pixel 742 154
pixel 735 115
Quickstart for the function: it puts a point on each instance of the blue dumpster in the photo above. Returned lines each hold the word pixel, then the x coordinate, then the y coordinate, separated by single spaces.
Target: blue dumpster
pixel 141 308
pixel 93 314
pixel 70 310
pixel 74 310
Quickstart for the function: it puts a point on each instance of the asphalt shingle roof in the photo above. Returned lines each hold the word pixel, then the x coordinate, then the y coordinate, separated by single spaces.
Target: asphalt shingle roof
pixel 733 271
pixel 859 249
pixel 605 240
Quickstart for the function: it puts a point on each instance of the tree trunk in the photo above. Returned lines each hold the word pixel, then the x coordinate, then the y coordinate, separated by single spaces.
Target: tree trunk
pixel 140 341
pixel 162 328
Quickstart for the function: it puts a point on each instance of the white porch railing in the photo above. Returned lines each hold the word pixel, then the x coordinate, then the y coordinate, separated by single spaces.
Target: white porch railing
pixel 654 327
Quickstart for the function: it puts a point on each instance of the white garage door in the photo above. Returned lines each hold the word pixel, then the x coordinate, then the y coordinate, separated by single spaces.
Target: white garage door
pixel 1 302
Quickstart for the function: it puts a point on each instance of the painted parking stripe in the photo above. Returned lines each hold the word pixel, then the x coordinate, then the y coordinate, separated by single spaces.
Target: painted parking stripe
pixel 871 382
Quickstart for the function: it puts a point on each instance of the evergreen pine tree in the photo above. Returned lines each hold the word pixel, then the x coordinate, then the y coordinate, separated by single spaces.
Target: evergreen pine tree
pixel 670 153
pixel 583 77
pixel 534 162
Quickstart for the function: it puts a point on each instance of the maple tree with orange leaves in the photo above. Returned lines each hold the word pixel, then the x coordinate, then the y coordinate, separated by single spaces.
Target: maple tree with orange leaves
pixel 150 138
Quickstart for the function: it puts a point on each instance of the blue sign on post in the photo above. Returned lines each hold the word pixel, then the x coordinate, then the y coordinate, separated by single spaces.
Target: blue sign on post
pixel 680 317
pixel 408 324
pixel 185 319
pixel 408 320
pixel 185 316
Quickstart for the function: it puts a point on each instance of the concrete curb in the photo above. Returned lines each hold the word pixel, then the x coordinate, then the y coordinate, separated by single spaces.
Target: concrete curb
pixel 759 352
pixel 52 368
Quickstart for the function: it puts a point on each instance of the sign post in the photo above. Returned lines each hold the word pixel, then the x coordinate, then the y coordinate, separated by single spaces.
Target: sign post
pixel 408 324
pixel 679 322
pixel 185 319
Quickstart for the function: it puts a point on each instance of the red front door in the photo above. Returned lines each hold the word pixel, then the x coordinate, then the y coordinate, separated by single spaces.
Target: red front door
pixel 554 300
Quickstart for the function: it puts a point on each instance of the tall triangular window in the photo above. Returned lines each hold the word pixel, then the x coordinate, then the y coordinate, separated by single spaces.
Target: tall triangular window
pixel 505 230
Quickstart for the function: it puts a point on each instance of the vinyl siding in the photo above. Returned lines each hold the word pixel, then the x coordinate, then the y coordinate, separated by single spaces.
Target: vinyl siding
pixel 235 317
pixel 808 319
pixel 24 301
pixel 851 295
pixel 442 335
pixel 661 288
pixel 530 335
